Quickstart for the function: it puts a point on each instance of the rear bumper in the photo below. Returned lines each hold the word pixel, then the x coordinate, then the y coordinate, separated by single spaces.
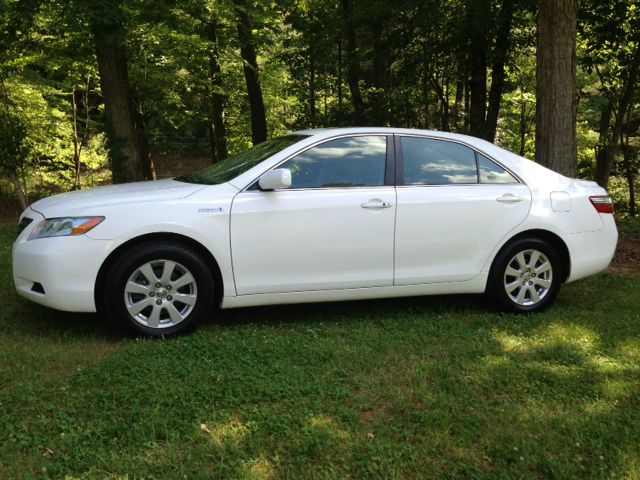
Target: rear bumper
pixel 66 268
pixel 592 252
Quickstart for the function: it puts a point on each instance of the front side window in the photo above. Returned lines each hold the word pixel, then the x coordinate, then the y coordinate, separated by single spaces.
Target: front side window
pixel 437 162
pixel 343 162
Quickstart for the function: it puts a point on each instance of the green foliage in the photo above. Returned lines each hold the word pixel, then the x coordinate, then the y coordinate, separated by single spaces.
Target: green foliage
pixel 13 148
pixel 619 191
pixel 412 58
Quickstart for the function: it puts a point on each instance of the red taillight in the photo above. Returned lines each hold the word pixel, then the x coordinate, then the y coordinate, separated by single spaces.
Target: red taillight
pixel 602 203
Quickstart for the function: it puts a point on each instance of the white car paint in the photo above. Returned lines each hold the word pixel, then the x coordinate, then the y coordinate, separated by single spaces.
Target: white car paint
pixel 288 246
pixel 313 239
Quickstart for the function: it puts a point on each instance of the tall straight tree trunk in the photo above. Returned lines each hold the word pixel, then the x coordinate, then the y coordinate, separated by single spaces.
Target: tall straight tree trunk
pixel 353 67
pixel 312 84
pixel 251 76
pixel 217 99
pixel 20 189
pixel 77 144
pixel 630 173
pixel 477 13
pixel 126 148
pixel 503 43
pixel 523 124
pixel 339 73
pixel 556 100
pixel 126 138
pixel 378 104
pixel 444 103
pixel 425 93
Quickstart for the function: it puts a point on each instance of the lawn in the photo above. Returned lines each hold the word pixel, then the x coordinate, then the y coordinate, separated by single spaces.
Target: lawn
pixel 407 388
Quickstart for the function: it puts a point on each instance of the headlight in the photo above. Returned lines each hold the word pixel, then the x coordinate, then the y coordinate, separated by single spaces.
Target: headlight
pixel 63 227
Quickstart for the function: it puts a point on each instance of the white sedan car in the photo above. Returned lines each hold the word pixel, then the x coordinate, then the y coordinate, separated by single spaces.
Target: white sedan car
pixel 314 216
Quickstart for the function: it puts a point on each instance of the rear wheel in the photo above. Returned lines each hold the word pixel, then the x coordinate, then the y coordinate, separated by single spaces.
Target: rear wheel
pixel 159 289
pixel 525 276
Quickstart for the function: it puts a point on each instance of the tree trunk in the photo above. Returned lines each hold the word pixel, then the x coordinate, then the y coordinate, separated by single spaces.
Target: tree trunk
pixel 630 174
pixel 20 191
pixel 77 144
pixel 603 142
pixel 459 99
pixel 127 154
pixel 444 104
pixel 477 14
pixel 523 124
pixel 251 76
pixel 339 73
pixel 217 99
pixel 379 110
pixel 632 196
pixel 425 94
pixel 353 68
pixel 312 84
pixel 556 100
pixel 503 44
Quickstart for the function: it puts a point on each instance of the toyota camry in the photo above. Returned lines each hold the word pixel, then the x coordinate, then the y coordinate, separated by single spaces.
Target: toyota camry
pixel 314 216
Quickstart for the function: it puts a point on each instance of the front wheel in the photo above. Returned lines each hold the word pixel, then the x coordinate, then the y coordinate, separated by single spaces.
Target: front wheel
pixel 525 276
pixel 159 289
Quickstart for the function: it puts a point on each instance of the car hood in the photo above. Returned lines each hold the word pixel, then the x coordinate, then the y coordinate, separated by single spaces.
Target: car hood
pixel 89 200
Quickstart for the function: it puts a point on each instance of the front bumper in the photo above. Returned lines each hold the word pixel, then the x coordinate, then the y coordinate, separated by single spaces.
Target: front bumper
pixel 65 267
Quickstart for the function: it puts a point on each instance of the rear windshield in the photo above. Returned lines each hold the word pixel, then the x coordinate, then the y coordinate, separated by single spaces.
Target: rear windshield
pixel 230 168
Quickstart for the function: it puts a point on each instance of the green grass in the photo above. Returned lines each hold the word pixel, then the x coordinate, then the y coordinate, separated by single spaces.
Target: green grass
pixel 407 388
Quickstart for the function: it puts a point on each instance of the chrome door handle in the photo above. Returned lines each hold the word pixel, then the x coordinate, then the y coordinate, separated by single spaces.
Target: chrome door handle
pixel 509 198
pixel 375 203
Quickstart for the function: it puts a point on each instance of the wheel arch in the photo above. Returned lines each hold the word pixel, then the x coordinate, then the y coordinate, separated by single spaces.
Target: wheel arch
pixel 555 240
pixel 177 238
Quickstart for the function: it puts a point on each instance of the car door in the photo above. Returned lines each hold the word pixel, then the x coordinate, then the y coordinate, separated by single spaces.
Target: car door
pixel 332 229
pixel 454 206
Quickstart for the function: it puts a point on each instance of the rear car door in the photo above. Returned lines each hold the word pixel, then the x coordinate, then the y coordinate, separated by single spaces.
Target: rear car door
pixel 454 206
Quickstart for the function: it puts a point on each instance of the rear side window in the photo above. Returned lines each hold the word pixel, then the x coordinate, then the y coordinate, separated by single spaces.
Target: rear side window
pixel 343 162
pixel 491 172
pixel 437 162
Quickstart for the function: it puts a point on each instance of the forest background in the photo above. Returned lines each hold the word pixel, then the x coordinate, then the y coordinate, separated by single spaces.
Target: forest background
pixel 94 92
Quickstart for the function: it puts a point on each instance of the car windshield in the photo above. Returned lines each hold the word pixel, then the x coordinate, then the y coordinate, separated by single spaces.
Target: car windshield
pixel 233 166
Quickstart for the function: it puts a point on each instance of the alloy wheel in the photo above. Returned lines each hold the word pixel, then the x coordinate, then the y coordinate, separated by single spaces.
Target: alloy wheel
pixel 160 294
pixel 528 277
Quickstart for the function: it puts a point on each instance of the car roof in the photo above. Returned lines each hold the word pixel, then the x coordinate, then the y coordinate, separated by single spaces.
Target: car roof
pixel 329 132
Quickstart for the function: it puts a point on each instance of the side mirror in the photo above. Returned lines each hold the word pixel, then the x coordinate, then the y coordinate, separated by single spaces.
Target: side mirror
pixel 275 179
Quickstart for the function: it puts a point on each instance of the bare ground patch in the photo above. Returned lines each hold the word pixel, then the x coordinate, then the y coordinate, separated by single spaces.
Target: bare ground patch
pixel 626 260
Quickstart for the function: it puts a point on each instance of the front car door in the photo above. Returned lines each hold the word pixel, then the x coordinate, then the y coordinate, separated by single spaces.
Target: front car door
pixel 332 229
pixel 454 206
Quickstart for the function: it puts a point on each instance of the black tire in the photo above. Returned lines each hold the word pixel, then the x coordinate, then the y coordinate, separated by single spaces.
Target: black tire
pixel 500 280
pixel 147 322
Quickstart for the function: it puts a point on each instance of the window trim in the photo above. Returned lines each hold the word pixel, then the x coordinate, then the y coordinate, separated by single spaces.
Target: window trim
pixel 400 163
pixel 389 177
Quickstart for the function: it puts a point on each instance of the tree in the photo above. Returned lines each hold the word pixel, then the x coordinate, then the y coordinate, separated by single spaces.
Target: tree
pixel 556 103
pixel 13 151
pixel 612 38
pixel 353 68
pixel 251 74
pixel 217 98
pixel 128 147
pixel 500 54
pixel 477 13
